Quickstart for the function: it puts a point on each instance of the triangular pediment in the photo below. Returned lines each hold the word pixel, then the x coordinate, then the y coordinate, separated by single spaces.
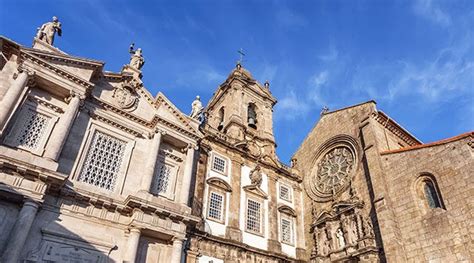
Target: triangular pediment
pixel 80 67
pixel 170 114
pixel 323 216
pixel 256 191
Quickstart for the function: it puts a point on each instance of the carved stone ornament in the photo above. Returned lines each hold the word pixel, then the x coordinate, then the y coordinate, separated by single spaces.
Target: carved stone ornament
pixel 333 169
pixel 256 177
pixel 125 97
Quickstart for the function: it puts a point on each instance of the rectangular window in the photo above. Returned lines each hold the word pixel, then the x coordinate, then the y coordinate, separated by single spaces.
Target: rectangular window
pixel 216 205
pixel 219 164
pixel 286 231
pixel 30 130
pixel 254 216
pixel 103 161
pixel 285 193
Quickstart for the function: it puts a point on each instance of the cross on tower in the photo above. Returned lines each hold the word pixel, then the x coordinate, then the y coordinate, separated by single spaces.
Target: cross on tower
pixel 242 54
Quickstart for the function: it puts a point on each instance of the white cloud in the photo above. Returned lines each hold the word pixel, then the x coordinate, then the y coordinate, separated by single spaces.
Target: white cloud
pixel 316 84
pixel 291 107
pixel 269 72
pixel 331 55
pixel 428 10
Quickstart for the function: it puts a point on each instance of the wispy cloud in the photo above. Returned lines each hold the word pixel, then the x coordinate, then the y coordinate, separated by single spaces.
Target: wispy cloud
pixel 317 83
pixel 291 106
pixel 428 9
pixel 200 78
pixel 330 55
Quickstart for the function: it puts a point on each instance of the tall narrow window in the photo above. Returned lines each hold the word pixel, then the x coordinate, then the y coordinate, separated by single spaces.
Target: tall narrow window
pixel 103 161
pixel 216 205
pixel 221 119
pixel 254 216
pixel 431 195
pixel 285 193
pixel 164 180
pixel 286 226
pixel 252 116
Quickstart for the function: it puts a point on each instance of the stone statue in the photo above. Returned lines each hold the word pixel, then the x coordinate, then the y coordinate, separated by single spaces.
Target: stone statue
pixel 196 108
pixel 368 228
pixel 350 225
pixel 340 238
pixel 256 177
pixel 136 61
pixel 324 110
pixel 322 244
pixel 47 30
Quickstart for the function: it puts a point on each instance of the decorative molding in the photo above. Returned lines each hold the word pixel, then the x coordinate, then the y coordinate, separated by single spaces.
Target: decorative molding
pixel 107 120
pixel 170 155
pixel 219 183
pixel 393 127
pixel 47 104
pixel 287 210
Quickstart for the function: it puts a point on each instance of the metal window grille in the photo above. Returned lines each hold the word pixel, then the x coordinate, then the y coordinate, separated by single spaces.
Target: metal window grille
pixel 103 161
pixel 30 130
pixel 215 206
pixel 219 164
pixel 286 230
pixel 163 179
pixel 253 216
pixel 285 193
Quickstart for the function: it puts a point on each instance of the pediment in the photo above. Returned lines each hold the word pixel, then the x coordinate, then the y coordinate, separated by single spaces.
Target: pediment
pixel 217 182
pixel 169 114
pixel 323 216
pixel 287 210
pixel 80 67
pixel 256 191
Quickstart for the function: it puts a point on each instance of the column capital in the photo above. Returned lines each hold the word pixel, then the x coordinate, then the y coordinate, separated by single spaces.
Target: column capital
pixel 24 69
pixel 75 95
pixel 134 230
pixel 31 202
pixel 191 146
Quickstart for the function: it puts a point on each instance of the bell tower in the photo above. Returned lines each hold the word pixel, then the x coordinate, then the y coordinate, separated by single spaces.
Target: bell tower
pixel 242 109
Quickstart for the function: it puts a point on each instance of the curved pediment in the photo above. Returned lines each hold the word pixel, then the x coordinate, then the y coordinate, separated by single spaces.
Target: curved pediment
pixel 217 182
pixel 287 210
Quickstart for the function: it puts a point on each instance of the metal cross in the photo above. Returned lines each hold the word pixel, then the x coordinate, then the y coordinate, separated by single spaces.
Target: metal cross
pixel 242 54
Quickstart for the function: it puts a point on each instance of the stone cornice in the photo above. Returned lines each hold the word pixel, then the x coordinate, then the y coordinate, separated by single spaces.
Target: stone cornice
pixel 97 116
pixel 396 129
pixel 60 72
pixel 94 64
pixel 46 104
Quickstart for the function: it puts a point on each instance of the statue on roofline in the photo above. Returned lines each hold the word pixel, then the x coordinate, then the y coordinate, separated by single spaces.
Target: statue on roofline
pixel 47 31
pixel 136 61
pixel 196 108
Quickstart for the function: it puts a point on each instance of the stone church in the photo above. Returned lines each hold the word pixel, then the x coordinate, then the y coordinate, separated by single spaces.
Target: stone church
pixel 94 168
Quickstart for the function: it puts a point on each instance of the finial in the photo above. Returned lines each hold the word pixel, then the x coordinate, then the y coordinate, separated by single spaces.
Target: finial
pixel 238 65
pixel 267 84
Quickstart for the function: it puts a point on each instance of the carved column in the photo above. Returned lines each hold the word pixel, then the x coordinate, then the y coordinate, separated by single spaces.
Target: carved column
pixel 20 232
pixel 61 131
pixel 132 245
pixel 150 165
pixel 273 224
pixel 177 249
pixel 12 96
pixel 187 174
pixel 233 228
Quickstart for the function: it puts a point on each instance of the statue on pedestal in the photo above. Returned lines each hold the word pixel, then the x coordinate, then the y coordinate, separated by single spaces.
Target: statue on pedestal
pixel 47 31
pixel 196 108
pixel 136 61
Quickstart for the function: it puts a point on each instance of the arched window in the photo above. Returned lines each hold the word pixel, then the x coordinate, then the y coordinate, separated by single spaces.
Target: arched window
pixel 431 195
pixel 221 119
pixel 428 192
pixel 252 116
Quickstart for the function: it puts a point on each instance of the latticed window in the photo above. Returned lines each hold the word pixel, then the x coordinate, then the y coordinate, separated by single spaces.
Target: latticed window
pixel 431 195
pixel 103 161
pixel 29 130
pixel 286 231
pixel 254 214
pixel 163 181
pixel 219 164
pixel 285 193
pixel 216 202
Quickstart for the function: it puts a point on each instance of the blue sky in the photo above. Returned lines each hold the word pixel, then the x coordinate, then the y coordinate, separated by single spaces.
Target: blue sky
pixel 415 58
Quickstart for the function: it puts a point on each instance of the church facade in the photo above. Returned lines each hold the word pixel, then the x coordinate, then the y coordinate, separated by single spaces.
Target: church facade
pixel 94 168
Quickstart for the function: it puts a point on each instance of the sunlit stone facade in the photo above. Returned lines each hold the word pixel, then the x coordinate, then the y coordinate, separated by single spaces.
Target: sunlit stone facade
pixel 94 168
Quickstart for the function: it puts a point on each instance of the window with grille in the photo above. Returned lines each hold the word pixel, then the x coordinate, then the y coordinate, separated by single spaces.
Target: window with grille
pixel 164 179
pixel 285 193
pixel 286 231
pixel 254 214
pixel 29 130
pixel 103 161
pixel 219 164
pixel 216 203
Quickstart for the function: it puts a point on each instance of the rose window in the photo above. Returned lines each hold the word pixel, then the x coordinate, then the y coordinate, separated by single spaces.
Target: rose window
pixel 334 170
